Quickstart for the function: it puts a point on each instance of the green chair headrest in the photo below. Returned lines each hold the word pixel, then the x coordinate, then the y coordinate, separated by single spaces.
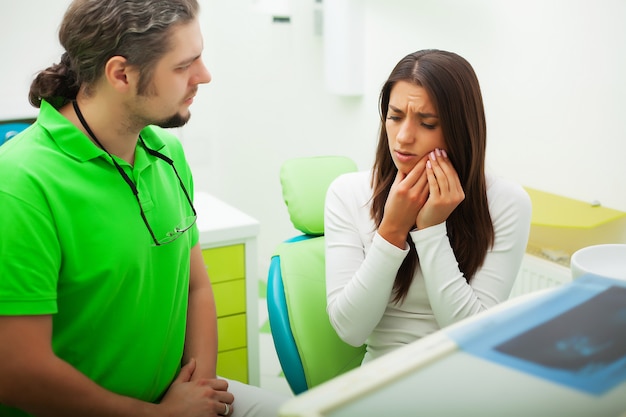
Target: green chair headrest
pixel 304 183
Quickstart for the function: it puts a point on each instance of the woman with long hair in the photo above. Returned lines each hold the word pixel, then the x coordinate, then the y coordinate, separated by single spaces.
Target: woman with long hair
pixel 427 237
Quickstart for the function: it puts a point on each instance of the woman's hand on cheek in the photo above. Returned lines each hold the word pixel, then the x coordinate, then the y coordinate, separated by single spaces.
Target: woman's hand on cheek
pixel 406 198
pixel 445 190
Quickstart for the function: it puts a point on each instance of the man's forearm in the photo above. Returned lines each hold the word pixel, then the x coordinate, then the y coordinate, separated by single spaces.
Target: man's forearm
pixel 56 389
pixel 201 340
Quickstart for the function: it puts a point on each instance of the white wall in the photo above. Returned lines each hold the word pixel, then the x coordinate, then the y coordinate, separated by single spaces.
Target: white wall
pixel 552 73
pixel 28 43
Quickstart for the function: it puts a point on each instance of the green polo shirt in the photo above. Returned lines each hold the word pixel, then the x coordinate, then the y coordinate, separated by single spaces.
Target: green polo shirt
pixel 74 246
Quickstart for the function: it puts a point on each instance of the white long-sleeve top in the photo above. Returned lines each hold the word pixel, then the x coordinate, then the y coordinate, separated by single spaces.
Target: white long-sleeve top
pixel 361 268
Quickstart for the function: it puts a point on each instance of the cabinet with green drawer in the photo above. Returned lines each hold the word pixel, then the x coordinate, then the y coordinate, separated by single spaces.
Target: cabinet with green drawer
pixel 228 242
pixel 226 267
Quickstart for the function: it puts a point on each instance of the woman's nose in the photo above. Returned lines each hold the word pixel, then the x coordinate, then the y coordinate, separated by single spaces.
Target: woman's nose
pixel 406 133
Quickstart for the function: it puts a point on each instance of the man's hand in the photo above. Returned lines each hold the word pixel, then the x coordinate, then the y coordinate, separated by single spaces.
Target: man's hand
pixel 198 398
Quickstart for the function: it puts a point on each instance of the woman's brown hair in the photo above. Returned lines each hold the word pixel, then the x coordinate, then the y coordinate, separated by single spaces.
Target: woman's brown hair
pixel 453 88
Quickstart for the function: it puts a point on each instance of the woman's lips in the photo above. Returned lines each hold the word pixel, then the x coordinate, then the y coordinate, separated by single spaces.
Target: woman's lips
pixel 405 157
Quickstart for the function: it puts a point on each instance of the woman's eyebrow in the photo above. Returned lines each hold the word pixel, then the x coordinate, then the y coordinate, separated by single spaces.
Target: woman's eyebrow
pixel 419 114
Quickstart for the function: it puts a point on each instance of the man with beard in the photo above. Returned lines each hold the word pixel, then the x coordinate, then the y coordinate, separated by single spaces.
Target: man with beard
pixel 106 308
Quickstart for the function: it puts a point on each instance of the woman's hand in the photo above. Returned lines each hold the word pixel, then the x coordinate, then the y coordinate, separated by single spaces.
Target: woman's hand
pixel 406 198
pixel 424 197
pixel 445 190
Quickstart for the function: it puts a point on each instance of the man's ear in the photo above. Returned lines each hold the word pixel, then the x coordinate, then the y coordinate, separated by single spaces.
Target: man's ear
pixel 119 74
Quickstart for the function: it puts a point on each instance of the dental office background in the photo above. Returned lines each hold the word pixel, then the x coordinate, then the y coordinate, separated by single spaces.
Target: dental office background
pixel 296 78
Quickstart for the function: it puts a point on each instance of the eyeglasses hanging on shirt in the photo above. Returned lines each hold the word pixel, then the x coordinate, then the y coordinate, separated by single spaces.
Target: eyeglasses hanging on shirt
pixel 185 224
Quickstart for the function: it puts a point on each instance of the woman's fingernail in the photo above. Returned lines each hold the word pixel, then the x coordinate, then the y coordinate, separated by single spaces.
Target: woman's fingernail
pixel 438 152
pixel 432 155
pixel 428 165
pixel 445 154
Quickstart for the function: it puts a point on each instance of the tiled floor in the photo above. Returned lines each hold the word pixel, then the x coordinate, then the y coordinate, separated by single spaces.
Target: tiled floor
pixel 272 377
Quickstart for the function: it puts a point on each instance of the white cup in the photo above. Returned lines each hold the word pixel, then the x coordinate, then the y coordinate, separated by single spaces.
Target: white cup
pixel 608 260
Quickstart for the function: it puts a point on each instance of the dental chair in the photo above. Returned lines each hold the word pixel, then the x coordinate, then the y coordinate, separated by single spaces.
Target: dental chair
pixel 308 348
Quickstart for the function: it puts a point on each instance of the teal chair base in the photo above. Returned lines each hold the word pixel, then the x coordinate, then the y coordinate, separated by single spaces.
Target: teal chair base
pixel 284 342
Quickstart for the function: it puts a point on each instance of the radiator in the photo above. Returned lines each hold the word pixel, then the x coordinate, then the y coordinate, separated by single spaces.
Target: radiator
pixel 538 272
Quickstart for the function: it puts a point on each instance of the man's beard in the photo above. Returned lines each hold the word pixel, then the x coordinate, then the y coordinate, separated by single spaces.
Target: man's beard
pixel 177 120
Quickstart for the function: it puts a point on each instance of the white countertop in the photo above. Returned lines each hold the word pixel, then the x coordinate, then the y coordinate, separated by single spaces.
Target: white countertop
pixel 457 371
pixel 221 223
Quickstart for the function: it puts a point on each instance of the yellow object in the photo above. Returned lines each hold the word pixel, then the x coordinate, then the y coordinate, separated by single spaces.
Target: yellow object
pixel 556 211
pixel 560 225
pixel 233 364
pixel 229 250
pixel 226 268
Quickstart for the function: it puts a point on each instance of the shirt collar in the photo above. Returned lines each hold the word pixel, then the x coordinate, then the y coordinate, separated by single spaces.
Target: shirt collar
pixel 74 142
